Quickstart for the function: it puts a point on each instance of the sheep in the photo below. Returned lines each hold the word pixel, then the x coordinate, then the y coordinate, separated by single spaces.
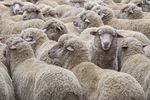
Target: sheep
pixel 87 19
pixel 67 11
pixel 53 3
pixel 103 47
pixel 133 61
pixel 54 29
pixel 97 83
pixel 31 12
pixel 6 86
pixel 77 3
pixel 108 18
pixel 131 11
pixel 90 5
pixel 17 27
pixel 40 44
pixel 144 4
pixel 29 75
pixel 49 12
pixel 68 19
pixel 15 8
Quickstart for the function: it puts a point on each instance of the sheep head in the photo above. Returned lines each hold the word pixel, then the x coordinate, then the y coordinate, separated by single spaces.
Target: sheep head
pixel 77 3
pixel 130 46
pixel 49 12
pixel 15 7
pixel 33 36
pixel 69 49
pixel 31 11
pixel 104 36
pixel 130 11
pixel 104 13
pixel 87 19
pixel 54 29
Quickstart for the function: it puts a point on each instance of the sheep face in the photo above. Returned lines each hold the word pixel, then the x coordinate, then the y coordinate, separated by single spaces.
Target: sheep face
pixel 14 43
pixel 30 12
pixel 77 3
pixel 27 15
pixel 104 36
pixel 130 46
pixel 32 35
pixel 86 20
pixel 54 29
pixel 49 12
pixel 130 11
pixel 146 6
pixel 16 8
pixel 104 13
pixel 67 48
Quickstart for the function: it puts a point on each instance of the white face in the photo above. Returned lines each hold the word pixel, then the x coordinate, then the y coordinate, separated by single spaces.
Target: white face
pixel 17 9
pixel 106 40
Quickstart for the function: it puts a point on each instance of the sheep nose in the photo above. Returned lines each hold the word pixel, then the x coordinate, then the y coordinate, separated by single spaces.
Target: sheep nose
pixel 24 17
pixel 75 23
pixel 17 10
pixel 106 43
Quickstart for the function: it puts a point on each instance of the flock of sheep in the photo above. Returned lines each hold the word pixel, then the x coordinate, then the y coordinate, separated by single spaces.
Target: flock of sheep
pixel 75 50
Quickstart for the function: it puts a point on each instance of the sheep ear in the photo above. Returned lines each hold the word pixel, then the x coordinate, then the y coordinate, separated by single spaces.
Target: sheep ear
pixel 12 47
pixel 94 32
pixel 31 43
pixel 131 11
pixel 119 36
pixel 144 45
pixel 7 5
pixel 28 39
pixel 87 20
pixel 101 14
pixel 124 46
pixel 44 30
pixel 70 48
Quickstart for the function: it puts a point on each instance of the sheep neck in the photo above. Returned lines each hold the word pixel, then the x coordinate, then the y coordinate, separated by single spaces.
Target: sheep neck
pixel 108 57
pixel 75 59
pixel 19 56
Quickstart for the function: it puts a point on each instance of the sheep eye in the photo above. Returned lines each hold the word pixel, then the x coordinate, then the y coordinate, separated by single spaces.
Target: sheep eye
pixel 139 5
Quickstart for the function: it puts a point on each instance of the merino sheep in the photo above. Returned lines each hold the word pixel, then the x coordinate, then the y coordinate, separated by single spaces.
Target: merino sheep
pixel 6 86
pixel 36 80
pixel 96 82
pixel 103 47
pixel 144 4
pixel 17 27
pixel 40 44
pixel 87 19
pixel 67 11
pixel 108 18
pixel 90 5
pixel 53 3
pixel 131 11
pixel 31 11
pixel 15 8
pixel 54 29
pixel 49 12
pixel 133 61
pixel 77 3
